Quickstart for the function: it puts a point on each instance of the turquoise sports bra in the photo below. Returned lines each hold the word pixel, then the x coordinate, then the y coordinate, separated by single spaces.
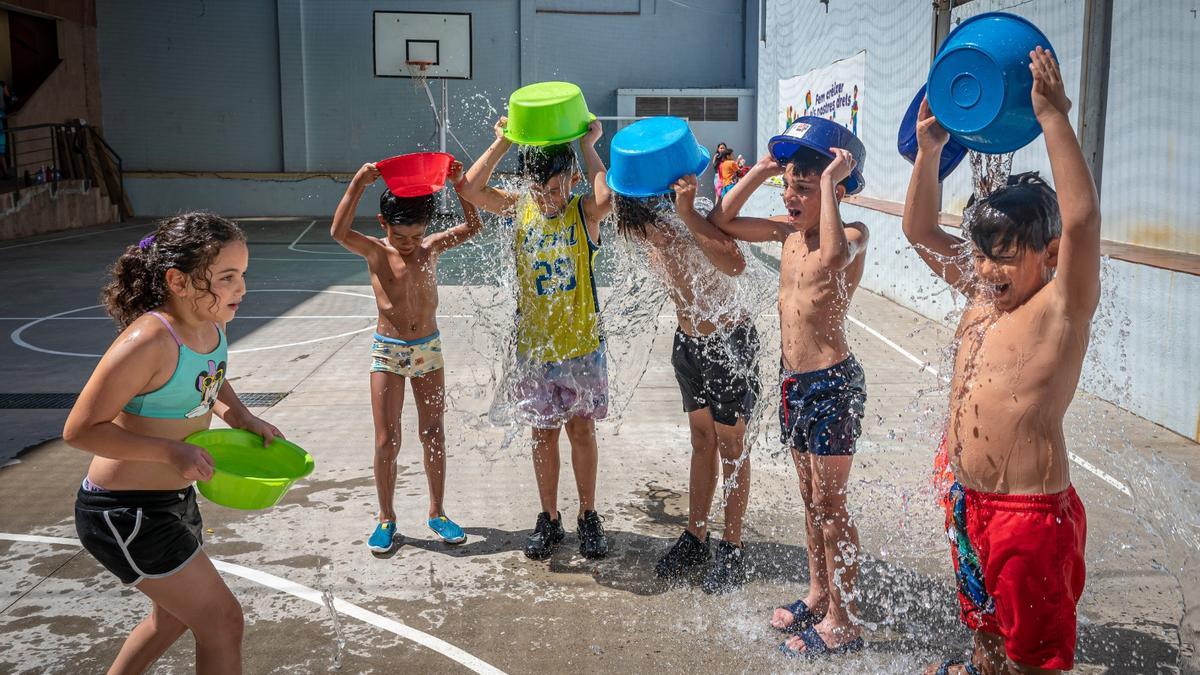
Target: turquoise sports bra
pixel 193 387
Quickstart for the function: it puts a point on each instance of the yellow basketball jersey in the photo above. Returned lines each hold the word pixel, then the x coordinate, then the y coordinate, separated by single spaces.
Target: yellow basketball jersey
pixel 557 307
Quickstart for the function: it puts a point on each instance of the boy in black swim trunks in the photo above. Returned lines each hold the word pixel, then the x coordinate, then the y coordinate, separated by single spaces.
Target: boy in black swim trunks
pixel 714 355
pixel 824 389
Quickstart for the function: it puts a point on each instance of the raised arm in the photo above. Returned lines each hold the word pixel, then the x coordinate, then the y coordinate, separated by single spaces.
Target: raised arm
pixel 725 214
pixel 598 204
pixel 1077 279
pixel 448 239
pixel 940 250
pixel 839 243
pixel 343 218
pixel 127 368
pixel 476 189
pixel 720 249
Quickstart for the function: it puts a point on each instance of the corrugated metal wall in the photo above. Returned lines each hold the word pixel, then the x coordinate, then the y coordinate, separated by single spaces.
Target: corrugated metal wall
pixel 1149 317
pixel 1151 180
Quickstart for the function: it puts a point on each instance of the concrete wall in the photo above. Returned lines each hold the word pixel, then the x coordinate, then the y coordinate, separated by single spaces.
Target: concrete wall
pixel 73 89
pixel 1144 348
pixel 191 85
pixel 289 85
pixel 68 205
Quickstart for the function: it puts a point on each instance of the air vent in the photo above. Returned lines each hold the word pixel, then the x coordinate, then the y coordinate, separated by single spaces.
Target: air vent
pixel 694 108
pixel 650 106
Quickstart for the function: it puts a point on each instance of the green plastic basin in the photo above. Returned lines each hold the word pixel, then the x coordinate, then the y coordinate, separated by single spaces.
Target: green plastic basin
pixel 547 113
pixel 249 476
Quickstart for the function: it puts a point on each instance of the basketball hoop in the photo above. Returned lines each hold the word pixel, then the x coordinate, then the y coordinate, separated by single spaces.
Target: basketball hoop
pixel 416 71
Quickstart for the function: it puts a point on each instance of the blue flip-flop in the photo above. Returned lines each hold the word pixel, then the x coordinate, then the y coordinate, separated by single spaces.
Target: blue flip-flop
pixel 447 529
pixel 815 646
pixel 802 618
pixel 968 668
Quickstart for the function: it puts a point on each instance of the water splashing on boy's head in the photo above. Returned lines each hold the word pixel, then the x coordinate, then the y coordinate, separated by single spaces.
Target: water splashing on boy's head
pixel 1014 233
pixel 552 172
pixel 639 217
pixel 405 219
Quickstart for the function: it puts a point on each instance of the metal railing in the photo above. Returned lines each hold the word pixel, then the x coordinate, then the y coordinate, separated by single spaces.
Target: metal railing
pixel 48 153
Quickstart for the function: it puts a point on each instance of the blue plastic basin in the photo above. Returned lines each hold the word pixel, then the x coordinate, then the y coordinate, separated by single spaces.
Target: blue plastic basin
pixel 979 84
pixel 649 155
pixel 906 140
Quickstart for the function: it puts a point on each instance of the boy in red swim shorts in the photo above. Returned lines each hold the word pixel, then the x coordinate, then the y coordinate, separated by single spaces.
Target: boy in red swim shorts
pixel 1017 529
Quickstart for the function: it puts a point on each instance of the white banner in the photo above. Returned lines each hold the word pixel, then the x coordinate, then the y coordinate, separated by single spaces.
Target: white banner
pixel 834 92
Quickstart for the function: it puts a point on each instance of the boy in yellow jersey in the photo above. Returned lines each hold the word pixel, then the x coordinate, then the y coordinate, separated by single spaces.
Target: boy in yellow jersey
pixel 563 372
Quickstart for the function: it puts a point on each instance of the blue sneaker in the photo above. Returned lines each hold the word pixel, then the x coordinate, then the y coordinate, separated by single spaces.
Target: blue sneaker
pixel 447 529
pixel 383 539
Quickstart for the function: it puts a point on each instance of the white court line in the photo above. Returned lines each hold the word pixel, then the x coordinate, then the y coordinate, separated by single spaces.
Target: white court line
pixel 1097 471
pixel 308 260
pixel 74 236
pixel 303 592
pixel 286 316
pixel 292 246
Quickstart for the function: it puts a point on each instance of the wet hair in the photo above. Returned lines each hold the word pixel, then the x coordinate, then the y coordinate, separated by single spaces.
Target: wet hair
pixel 406 210
pixel 807 162
pixel 635 214
pixel 188 242
pixel 1023 213
pixel 540 164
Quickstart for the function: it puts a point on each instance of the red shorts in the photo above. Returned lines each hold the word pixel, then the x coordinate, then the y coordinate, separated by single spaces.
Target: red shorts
pixel 1018 562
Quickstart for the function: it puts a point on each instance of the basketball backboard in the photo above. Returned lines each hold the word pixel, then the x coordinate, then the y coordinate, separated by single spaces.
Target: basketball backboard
pixel 441 39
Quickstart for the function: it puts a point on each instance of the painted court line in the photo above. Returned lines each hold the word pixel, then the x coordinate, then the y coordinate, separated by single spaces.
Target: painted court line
pixel 292 246
pixel 303 592
pixel 74 236
pixel 1095 470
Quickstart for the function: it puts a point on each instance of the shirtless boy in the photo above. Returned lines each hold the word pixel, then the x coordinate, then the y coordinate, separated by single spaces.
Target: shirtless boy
pixel 715 358
pixel 1017 529
pixel 403 267
pixel 824 387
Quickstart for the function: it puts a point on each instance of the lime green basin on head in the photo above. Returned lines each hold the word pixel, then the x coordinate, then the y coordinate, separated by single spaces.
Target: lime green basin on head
pixel 249 476
pixel 547 113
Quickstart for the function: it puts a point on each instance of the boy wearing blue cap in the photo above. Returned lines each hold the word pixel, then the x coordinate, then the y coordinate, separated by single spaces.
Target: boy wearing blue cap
pixel 1030 271
pixel 824 388
pixel 715 358
pixel 562 378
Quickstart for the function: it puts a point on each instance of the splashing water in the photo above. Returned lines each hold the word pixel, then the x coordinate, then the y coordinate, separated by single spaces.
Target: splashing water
pixel 339 642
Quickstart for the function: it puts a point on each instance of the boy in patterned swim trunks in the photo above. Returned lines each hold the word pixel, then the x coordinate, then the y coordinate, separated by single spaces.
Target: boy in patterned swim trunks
pixel 823 390
pixel 562 367
pixel 1017 529
pixel 403 268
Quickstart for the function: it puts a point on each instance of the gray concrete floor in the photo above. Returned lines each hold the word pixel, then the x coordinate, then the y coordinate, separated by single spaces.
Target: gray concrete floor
pixel 60 612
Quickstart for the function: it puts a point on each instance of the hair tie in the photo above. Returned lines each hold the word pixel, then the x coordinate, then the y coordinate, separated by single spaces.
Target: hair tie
pixel 146 242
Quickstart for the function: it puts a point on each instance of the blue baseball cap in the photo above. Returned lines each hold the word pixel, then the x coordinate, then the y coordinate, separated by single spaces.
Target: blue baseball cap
pixel 820 134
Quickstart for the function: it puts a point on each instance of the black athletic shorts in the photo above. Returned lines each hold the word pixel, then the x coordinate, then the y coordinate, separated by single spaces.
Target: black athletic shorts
pixel 140 534
pixel 718 372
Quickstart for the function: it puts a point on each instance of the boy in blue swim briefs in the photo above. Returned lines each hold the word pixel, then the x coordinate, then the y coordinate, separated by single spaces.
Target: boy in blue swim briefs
pixel 823 385
pixel 407 345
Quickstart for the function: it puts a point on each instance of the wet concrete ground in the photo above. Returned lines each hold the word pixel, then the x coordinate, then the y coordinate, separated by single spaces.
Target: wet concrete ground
pixel 61 612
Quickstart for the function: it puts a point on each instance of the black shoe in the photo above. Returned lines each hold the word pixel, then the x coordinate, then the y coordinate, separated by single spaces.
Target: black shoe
pixel 728 571
pixel 546 535
pixel 688 551
pixel 592 542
